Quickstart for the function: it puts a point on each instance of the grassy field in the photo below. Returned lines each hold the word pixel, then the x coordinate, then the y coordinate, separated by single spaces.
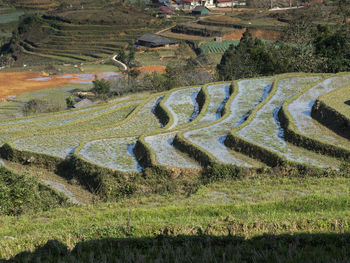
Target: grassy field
pixel 283 210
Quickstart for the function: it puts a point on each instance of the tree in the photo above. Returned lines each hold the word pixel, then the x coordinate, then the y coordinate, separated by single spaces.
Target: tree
pixel 121 56
pixel 101 86
pixel 334 47
pixel 343 8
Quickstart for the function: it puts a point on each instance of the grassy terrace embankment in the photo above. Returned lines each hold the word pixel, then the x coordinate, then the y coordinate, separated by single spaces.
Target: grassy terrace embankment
pixel 333 111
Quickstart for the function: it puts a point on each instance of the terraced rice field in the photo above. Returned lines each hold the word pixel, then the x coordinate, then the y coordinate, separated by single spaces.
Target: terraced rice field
pixel 300 110
pixel 106 135
pixel 339 100
pixel 166 154
pixel 211 139
pixel 82 41
pixel 265 129
pixel 182 105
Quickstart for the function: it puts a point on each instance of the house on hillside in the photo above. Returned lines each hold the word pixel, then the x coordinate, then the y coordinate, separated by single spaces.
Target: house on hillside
pixel 229 3
pixel 190 4
pixel 164 11
pixel 200 11
pixel 153 40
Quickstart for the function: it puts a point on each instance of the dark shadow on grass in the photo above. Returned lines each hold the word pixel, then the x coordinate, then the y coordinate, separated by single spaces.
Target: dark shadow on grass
pixel 198 248
pixel 347 102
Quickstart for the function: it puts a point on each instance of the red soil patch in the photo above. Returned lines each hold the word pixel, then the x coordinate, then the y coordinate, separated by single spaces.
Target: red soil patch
pixel 152 68
pixel 256 33
pixel 15 83
pixel 235 35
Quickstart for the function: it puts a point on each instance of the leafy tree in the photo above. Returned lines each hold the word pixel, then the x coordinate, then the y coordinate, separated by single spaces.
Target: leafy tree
pixel 334 47
pixel 101 86
pixel 121 56
pixel 155 81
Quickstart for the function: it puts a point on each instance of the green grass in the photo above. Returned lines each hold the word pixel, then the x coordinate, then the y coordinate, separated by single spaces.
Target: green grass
pixel 21 194
pixel 281 205
pixel 339 100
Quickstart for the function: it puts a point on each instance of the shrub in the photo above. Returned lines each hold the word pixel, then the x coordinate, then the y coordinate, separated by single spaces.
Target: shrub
pixel 21 194
pixel 101 86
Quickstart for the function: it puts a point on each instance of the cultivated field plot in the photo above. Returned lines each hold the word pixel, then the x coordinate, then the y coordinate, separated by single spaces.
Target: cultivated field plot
pixel 339 100
pixel 211 139
pixel 183 106
pixel 300 110
pixel 166 154
pixel 112 153
pixel 217 47
pixel 265 129
pixel 106 135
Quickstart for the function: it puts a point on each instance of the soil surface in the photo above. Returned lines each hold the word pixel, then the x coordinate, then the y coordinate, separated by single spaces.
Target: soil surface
pixel 15 83
pixel 152 68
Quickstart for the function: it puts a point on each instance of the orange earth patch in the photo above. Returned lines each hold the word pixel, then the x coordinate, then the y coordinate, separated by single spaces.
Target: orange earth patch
pixel 15 83
pixel 152 68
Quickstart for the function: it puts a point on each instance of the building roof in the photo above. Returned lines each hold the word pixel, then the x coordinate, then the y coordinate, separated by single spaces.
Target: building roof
pixel 83 103
pixel 199 9
pixel 164 9
pixel 156 39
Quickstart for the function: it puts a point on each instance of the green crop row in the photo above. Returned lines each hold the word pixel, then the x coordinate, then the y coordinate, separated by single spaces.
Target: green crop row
pixel 217 47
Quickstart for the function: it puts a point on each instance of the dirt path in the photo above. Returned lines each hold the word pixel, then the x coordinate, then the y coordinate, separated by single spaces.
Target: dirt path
pixel 125 67
pixel 63 189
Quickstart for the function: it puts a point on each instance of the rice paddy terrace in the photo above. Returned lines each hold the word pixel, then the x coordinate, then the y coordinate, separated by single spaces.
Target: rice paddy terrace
pixel 90 34
pixel 251 123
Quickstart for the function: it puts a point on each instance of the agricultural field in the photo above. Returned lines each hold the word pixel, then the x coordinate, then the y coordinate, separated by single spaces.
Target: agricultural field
pixel 80 36
pixel 152 149
pixel 339 99
pixel 175 123
pixel 217 47
pixel 17 88
pixel 300 112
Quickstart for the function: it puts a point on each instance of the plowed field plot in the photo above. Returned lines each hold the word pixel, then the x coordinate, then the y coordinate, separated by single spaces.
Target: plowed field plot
pixel 106 135
pixel 250 93
pixel 300 110
pixel 265 129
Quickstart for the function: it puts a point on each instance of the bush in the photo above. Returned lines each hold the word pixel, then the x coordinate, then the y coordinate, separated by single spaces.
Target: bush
pixel 36 106
pixel 21 194
pixel 101 86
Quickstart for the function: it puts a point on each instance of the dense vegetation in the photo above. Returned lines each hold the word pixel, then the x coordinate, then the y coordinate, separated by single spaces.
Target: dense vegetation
pixel 24 194
pixel 307 48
